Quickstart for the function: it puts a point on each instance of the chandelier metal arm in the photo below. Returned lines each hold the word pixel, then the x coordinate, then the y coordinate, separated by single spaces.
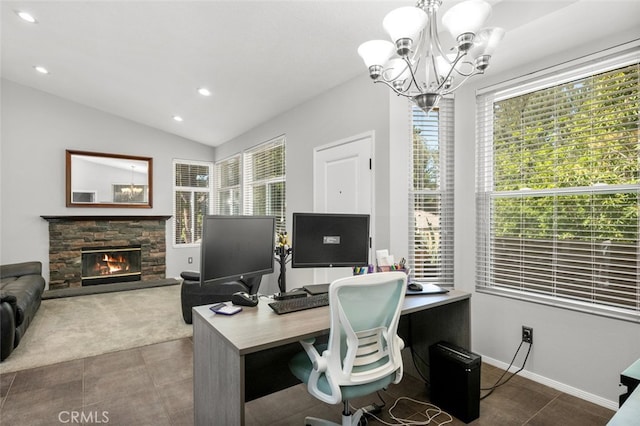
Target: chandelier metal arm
pixel 466 77
pixel 396 91
pixel 452 68
pixel 435 39
pixel 413 75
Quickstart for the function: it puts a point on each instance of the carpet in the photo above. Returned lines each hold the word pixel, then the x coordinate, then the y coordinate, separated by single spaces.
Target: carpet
pixel 77 327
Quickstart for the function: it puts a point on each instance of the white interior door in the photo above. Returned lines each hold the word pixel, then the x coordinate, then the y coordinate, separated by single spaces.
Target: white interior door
pixel 343 183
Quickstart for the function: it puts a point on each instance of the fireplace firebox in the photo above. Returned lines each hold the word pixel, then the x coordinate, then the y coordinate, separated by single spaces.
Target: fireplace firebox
pixel 105 265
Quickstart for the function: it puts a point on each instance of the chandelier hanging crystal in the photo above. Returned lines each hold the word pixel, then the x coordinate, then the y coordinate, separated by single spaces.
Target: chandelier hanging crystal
pixel 421 70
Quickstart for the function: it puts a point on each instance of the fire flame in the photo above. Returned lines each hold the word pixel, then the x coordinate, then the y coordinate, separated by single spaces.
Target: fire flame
pixel 114 264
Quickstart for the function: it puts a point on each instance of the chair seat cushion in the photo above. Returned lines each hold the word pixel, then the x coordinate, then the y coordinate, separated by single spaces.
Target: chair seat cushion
pixel 301 367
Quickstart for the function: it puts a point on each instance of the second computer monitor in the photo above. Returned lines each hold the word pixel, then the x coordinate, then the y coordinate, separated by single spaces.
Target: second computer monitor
pixel 236 247
pixel 323 240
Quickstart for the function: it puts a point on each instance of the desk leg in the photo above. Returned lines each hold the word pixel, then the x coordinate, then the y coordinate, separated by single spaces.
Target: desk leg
pixel 218 378
pixel 450 322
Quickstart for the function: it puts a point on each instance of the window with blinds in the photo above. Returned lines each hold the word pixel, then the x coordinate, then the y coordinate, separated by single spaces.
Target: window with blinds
pixel 228 186
pixel 558 189
pixel 265 181
pixel 192 199
pixel 431 194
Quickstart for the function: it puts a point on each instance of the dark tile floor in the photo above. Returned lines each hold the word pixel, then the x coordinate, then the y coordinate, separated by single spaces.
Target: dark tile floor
pixel 153 385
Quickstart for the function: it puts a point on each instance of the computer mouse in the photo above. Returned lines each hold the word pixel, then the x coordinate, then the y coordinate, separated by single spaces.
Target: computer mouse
pixel 243 299
pixel 415 286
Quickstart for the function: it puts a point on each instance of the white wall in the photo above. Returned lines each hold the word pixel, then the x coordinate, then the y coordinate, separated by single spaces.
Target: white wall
pixel 37 128
pixel 350 109
pixel 579 353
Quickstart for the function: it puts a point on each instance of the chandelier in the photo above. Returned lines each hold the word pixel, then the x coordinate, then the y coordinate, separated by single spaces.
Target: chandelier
pixel 415 64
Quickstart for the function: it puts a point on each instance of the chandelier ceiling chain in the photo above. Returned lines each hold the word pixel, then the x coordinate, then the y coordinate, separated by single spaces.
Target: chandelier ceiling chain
pixel 421 69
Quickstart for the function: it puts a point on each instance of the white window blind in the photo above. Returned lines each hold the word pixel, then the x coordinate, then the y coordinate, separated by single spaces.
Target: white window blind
pixel 192 199
pixel 558 189
pixel 265 181
pixel 228 186
pixel 431 194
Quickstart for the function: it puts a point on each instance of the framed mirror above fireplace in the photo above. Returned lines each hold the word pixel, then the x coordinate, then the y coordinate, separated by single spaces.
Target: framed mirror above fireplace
pixel 95 179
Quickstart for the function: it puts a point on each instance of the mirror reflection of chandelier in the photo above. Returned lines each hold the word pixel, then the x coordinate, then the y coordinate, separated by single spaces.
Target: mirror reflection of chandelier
pixel 132 191
pixel 421 70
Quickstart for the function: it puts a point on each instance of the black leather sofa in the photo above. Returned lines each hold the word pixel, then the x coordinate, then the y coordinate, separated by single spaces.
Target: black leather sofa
pixel 21 288
pixel 193 294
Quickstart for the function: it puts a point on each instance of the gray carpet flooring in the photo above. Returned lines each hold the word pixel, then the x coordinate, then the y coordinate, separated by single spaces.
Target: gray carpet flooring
pixel 70 328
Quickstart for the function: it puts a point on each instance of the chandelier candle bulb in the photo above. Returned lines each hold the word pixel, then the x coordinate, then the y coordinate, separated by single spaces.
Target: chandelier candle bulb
pixel 404 26
pixel 415 40
pixel 466 18
pixel 375 53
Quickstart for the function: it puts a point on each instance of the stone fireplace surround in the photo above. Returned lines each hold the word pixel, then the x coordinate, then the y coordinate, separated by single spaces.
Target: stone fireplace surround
pixel 69 234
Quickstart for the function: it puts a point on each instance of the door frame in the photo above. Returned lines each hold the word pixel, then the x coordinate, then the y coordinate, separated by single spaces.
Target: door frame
pixel 371 135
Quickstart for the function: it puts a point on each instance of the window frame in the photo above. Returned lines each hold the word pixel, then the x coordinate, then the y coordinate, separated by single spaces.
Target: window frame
pixel 192 190
pixel 249 184
pixel 218 184
pixel 487 194
pixel 444 193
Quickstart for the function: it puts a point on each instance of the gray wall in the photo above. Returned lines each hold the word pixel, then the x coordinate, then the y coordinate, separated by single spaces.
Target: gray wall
pixel 36 129
pixel 350 109
pixel 580 353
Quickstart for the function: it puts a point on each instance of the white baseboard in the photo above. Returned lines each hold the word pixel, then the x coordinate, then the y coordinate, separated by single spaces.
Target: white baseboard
pixel 578 393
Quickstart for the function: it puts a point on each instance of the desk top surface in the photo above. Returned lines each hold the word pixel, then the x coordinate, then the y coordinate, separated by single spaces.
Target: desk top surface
pixel 258 328
pixel 633 371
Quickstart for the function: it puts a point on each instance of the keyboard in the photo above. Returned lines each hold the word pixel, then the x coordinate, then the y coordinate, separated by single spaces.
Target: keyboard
pixel 299 304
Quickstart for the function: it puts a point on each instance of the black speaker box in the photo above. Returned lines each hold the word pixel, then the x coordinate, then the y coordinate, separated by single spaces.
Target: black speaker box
pixel 455 380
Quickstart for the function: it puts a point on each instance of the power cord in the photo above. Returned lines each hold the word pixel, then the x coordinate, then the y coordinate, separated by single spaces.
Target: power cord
pixel 431 413
pixel 497 384
pixel 414 356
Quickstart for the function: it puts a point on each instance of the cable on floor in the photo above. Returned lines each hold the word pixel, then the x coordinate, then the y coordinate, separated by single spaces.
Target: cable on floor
pixel 431 413
pixel 498 383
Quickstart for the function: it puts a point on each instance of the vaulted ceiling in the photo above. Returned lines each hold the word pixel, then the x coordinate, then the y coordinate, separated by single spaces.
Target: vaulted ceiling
pixel 144 60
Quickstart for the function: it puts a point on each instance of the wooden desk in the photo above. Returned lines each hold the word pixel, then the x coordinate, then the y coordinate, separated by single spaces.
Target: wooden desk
pixel 258 344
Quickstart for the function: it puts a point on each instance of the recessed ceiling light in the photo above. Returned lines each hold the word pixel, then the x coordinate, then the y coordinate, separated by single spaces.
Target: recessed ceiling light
pixel 204 91
pixel 177 118
pixel 27 17
pixel 41 69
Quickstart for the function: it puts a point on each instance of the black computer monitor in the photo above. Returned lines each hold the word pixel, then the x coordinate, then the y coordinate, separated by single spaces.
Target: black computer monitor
pixel 236 247
pixel 322 240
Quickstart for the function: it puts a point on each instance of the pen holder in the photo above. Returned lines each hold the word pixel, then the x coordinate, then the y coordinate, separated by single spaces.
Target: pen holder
pixel 361 270
pixel 392 268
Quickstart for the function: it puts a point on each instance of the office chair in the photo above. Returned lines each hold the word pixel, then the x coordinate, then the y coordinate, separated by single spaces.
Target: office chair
pixel 362 355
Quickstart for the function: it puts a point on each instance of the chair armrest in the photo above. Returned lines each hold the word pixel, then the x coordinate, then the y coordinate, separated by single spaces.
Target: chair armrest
pixel 320 367
pixel 8 298
pixel 20 269
pixel 190 275
pixel 8 327
pixel 319 363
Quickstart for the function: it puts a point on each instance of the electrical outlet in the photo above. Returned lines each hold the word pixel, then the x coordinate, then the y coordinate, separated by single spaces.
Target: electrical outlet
pixel 527 334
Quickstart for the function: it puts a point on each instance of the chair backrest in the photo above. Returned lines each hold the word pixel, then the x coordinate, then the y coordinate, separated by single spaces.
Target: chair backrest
pixel 363 342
